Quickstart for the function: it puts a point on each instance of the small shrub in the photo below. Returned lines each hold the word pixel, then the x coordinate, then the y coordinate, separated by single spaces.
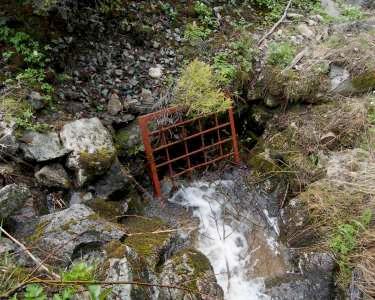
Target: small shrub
pixel 195 33
pixel 351 12
pixel 198 91
pixel 281 54
pixel 205 14
pixel 169 10
pixel 225 70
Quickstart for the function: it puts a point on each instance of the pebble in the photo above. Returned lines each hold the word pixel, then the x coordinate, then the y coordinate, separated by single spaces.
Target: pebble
pixel 155 72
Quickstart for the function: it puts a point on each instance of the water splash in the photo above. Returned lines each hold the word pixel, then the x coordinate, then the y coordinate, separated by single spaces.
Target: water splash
pixel 222 239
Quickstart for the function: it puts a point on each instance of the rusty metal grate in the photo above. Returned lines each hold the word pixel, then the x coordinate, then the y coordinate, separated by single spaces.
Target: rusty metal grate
pixel 176 147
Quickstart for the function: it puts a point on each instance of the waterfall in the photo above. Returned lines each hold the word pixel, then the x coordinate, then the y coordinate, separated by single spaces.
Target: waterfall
pixel 222 238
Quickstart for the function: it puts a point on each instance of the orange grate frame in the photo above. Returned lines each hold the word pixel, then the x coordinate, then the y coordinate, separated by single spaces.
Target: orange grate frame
pixel 165 144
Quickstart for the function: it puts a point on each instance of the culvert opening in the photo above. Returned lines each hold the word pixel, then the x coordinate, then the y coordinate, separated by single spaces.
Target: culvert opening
pixel 178 146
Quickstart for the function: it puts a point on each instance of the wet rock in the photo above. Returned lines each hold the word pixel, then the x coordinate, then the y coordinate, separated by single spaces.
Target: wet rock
pixel 42 147
pixel 72 229
pixel 120 270
pixel 193 267
pixel 53 176
pixel 8 140
pixel 271 102
pixel 113 181
pixel 36 100
pixel 305 31
pixel 114 105
pixel 12 198
pixel 92 148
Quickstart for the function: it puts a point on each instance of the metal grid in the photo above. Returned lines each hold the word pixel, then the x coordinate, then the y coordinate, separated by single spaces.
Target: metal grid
pixel 189 144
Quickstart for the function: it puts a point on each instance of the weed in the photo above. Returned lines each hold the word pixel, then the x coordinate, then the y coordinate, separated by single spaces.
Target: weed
pixel 196 33
pixel 169 10
pixel 197 90
pixel 225 70
pixel 351 12
pixel 281 54
pixel 205 14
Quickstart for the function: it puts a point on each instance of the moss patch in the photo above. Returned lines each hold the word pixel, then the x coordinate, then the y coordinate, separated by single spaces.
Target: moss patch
pixel 147 244
pixel 110 210
pixel 364 82
pixel 38 232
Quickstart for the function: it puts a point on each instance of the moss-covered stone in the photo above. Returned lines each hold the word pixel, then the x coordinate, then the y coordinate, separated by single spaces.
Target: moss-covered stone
pixel 364 82
pixel 145 239
pixel 110 210
pixel 98 161
pixel 38 232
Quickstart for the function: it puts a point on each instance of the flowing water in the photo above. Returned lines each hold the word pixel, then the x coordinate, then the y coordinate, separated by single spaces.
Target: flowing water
pixel 223 237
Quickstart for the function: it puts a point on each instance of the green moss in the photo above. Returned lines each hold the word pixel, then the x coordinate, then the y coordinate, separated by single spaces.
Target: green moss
pixel 147 244
pixel 115 249
pixel 97 162
pixel 67 225
pixel 191 263
pixel 110 210
pixel 38 232
pixel 364 82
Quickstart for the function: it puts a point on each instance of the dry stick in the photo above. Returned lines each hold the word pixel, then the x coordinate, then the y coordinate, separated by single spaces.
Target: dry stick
pixel 137 184
pixel 161 231
pixel 35 259
pixel 276 24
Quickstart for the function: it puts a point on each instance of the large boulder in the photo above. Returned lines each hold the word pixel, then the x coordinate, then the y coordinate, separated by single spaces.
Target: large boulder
pixel 191 269
pixel 53 176
pixel 72 229
pixel 41 147
pixel 12 198
pixel 93 151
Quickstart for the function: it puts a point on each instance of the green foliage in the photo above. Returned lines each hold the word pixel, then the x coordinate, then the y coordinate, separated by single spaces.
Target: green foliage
pixel 195 33
pixel 169 10
pixel 198 91
pixel 35 292
pixel 79 271
pixel 108 7
pixel 24 45
pixel 235 62
pixel 280 54
pixel 344 242
pixel 21 113
pixel 351 12
pixel 205 14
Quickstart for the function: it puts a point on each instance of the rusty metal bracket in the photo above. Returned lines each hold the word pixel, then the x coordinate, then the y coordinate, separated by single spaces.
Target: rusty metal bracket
pixel 212 139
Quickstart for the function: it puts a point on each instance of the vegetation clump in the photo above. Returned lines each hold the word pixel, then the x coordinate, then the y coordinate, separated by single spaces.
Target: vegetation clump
pixel 198 90
pixel 281 54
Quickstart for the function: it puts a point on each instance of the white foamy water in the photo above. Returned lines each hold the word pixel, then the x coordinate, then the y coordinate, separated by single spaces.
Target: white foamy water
pixel 222 241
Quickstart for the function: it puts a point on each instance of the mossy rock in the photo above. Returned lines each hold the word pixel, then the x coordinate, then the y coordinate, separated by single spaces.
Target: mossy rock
pixel 364 82
pixel 146 240
pixel 96 162
pixel 110 210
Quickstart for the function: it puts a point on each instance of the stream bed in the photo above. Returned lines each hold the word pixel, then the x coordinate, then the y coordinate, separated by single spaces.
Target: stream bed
pixel 240 244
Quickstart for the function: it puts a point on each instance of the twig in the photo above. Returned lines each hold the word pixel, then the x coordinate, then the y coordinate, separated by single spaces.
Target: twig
pixel 137 184
pixel 296 60
pixel 35 259
pixel 276 24
pixel 160 231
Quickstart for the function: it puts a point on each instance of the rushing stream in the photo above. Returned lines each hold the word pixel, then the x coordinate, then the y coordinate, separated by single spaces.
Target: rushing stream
pixel 222 238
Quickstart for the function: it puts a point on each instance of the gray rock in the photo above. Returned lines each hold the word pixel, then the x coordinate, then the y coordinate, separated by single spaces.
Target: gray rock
pixel 114 105
pixel 53 176
pixel 120 270
pixel 73 228
pixel 8 140
pixel 113 181
pixel 92 148
pixel 128 140
pixel 331 8
pixel 340 81
pixel 181 268
pixel 12 198
pixel 6 246
pixel 271 101
pixel 305 31
pixel 36 100
pixel 80 198
pixel 156 72
pixel 42 147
